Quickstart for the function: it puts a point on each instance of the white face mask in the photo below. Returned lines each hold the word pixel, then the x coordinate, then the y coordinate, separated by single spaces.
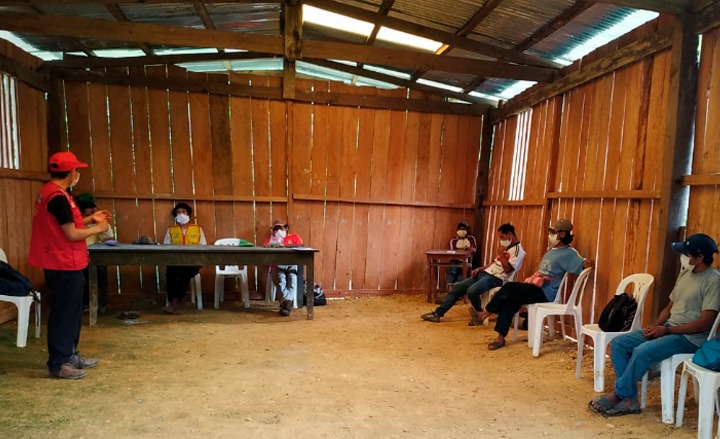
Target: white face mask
pixel 685 263
pixel 282 233
pixel 182 219
pixel 553 239
pixel 462 233
pixel 75 181
pixel 505 242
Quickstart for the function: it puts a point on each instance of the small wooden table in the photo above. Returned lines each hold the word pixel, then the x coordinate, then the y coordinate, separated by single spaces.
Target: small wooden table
pixel 133 254
pixel 437 259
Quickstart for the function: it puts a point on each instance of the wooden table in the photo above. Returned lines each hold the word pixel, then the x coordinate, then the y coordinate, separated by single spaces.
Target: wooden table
pixel 133 254
pixel 437 259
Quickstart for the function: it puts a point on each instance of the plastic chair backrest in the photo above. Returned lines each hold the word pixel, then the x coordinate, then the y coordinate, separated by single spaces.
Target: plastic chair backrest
pixel 713 330
pixel 228 270
pixel 641 285
pixel 578 290
pixel 2 256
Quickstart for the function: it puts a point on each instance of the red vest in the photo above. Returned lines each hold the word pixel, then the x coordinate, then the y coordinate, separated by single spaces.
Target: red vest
pixel 49 247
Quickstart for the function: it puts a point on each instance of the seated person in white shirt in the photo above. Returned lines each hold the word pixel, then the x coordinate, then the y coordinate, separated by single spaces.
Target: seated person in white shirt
pixel 485 278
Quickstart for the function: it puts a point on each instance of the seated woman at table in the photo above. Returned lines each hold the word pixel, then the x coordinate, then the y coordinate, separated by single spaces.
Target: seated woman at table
pixel 284 277
pixel 178 276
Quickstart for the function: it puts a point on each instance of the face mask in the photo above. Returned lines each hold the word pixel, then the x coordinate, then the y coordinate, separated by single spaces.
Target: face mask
pixel 505 242
pixel 553 239
pixel 182 219
pixel 462 233
pixel 75 181
pixel 282 233
pixel 685 262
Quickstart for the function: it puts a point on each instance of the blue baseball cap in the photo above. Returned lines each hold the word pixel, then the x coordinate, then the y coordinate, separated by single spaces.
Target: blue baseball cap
pixel 697 244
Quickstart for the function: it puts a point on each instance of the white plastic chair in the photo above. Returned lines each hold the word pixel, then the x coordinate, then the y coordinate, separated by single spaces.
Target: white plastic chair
pixel 230 271
pixel 668 368
pixel 573 307
pixel 196 291
pixel 641 284
pixel 706 383
pixel 23 304
pixel 530 307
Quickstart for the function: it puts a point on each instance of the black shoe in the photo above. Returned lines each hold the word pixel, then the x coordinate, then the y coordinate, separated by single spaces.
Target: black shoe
pixel 431 317
pixel 80 362
pixel 68 372
pixel 286 308
pixel 474 320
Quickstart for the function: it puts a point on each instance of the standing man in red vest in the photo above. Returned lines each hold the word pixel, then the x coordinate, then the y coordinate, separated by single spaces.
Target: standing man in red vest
pixel 57 245
pixel 178 277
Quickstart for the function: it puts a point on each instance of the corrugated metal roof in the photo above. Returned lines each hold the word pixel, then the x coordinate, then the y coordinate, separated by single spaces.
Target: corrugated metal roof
pixel 509 24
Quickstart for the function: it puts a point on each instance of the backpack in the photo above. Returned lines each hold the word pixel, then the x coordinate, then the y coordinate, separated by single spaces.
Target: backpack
pixel 618 314
pixel 708 356
pixel 319 298
pixel 12 282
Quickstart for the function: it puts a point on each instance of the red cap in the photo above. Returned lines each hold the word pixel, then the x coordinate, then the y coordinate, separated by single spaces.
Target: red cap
pixel 65 161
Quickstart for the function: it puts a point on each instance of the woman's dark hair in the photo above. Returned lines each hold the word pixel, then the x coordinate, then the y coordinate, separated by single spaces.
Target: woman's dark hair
pixel 185 206
pixel 567 239
pixel 59 175
pixel 506 228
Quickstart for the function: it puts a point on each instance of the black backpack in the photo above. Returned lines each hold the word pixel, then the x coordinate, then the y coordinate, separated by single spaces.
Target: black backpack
pixel 618 314
pixel 12 282
pixel 319 298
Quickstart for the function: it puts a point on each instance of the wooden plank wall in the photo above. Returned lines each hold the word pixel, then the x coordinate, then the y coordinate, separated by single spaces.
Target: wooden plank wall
pixel 705 190
pixel 18 188
pixel 371 189
pixel 592 159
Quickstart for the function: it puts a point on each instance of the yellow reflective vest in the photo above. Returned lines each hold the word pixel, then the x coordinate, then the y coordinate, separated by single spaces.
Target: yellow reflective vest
pixel 190 237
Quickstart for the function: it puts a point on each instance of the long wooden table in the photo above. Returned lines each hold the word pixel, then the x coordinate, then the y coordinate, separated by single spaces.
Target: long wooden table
pixel 133 254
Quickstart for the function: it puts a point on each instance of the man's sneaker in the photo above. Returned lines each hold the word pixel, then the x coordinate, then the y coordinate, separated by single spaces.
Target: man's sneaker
pixel 67 371
pixel 80 362
pixel 286 308
pixel 474 319
pixel 431 317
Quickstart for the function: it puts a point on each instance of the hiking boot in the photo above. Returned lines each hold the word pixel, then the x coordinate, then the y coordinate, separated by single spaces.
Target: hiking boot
pixel 286 308
pixel 80 362
pixel 431 317
pixel 474 319
pixel 67 371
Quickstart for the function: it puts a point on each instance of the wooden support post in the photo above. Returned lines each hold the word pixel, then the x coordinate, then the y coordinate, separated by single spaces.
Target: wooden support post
pixel 486 142
pixel 292 31
pixel 676 158
pixel 55 115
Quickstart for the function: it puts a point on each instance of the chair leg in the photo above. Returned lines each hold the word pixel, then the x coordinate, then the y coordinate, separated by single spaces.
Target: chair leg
pixel 643 390
pixel 706 403
pixel 681 400
pixel 537 334
pixel 245 290
pixel 667 391
pixel 599 365
pixel 38 318
pixel 578 363
pixel 23 307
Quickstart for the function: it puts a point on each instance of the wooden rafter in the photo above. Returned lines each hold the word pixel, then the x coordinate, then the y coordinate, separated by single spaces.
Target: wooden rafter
pixel 431 33
pixel 119 15
pixel 384 9
pixel 573 11
pixel 468 27
pixel 74 41
pixel 400 82
pixel 162 34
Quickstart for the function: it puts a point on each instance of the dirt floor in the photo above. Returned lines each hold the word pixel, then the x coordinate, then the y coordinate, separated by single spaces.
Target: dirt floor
pixel 364 368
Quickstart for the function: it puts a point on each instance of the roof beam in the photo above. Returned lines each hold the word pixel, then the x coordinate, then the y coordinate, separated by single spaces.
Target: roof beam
pixel 667 6
pixel 161 34
pixel 384 9
pixel 428 32
pixel 292 32
pixel 119 15
pixel 400 82
pixel 91 63
pixel 106 2
pixel 77 43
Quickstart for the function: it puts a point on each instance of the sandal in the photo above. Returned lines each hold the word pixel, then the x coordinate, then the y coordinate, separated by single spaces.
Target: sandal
pixel 624 407
pixel 604 402
pixel 496 345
